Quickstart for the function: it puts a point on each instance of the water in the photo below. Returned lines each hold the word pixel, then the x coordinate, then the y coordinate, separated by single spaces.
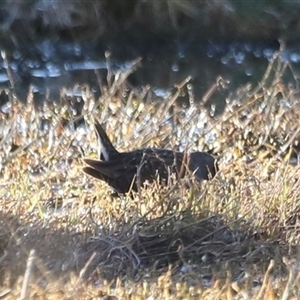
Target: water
pixel 48 67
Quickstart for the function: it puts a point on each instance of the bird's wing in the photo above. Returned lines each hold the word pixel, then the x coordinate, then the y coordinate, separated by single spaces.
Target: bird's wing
pixel 112 169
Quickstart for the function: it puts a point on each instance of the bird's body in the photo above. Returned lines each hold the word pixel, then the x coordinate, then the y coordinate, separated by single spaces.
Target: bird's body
pixel 124 171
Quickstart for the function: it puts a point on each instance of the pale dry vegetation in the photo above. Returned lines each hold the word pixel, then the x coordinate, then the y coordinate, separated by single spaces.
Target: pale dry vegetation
pixel 63 235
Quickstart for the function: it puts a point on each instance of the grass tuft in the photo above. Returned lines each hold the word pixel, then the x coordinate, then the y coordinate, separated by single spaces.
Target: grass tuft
pixel 64 235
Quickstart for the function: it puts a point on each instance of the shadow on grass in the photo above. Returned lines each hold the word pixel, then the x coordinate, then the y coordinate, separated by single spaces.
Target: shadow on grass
pixel 195 242
pixel 54 249
pixel 194 247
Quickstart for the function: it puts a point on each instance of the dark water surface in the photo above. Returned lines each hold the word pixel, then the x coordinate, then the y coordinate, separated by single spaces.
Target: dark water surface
pixel 50 66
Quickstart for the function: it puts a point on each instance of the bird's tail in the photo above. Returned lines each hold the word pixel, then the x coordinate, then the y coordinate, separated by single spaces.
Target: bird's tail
pixel 106 148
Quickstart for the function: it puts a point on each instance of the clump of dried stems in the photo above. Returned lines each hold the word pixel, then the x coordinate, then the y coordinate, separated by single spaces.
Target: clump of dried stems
pixel 64 235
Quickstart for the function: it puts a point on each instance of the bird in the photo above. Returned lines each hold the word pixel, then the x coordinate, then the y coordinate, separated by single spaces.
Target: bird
pixel 127 171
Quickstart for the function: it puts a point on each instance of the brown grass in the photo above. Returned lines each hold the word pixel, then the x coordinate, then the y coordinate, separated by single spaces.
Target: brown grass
pixel 64 236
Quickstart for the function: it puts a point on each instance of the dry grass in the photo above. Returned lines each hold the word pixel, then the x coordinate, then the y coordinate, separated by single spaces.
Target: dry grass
pixel 64 236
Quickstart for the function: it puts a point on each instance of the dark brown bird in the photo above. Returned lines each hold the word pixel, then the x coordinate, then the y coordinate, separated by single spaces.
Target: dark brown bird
pixel 129 170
